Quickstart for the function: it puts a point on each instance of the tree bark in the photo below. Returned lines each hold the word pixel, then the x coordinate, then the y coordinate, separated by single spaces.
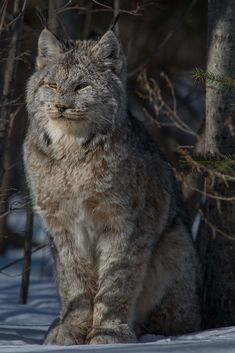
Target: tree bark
pixel 221 60
pixel 6 118
pixel 216 248
pixel 27 256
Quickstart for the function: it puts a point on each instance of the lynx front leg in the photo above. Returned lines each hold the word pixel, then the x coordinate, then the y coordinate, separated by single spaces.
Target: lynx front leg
pixel 76 290
pixel 121 272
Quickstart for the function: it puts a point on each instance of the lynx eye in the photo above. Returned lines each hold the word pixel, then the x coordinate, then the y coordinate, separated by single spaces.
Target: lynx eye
pixel 52 85
pixel 80 86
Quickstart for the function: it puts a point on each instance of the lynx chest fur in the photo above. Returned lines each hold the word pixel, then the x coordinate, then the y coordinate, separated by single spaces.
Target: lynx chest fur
pixel 86 193
pixel 109 200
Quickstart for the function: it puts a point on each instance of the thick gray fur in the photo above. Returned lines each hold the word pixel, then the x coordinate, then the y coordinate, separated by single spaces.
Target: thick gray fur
pixel 124 259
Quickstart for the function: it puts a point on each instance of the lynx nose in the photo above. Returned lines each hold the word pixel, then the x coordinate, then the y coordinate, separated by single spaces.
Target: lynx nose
pixel 61 107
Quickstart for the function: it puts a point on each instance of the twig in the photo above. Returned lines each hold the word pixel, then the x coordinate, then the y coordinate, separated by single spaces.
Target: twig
pixel 151 91
pixel 199 166
pixel 171 88
pixel 170 34
pixel 204 76
pixel 12 263
pixel 212 196
pixel 18 16
pixel 214 228
pixel 3 14
pixel 27 256
pixel 105 8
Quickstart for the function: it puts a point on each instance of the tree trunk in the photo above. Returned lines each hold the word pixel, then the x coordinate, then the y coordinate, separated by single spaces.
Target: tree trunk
pixel 221 60
pixel 6 114
pixel 216 247
pixel 27 256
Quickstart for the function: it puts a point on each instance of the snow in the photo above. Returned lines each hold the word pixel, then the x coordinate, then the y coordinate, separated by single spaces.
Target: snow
pixel 22 327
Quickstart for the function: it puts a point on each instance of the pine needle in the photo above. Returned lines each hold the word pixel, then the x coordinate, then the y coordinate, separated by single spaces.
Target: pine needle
pixel 223 164
pixel 204 76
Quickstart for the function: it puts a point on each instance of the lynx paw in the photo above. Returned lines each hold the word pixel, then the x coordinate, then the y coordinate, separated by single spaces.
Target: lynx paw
pixel 61 335
pixel 113 334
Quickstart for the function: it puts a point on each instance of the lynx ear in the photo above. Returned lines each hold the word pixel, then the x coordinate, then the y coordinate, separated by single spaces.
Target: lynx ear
pixel 108 52
pixel 48 48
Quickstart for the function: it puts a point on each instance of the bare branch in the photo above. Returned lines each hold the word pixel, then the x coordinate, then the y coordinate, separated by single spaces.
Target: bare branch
pixel 165 40
pixel 215 229
pixel 105 8
pixel 210 195
pixel 12 263
pixel 150 90
pixel 200 167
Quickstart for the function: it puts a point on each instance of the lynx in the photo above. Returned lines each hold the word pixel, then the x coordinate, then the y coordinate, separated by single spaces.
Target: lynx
pixel 124 260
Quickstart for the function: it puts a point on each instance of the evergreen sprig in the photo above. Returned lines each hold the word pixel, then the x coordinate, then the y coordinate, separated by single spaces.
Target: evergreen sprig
pixel 204 76
pixel 223 164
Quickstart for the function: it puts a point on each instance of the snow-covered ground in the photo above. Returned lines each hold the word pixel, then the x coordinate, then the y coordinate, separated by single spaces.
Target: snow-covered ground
pixel 22 327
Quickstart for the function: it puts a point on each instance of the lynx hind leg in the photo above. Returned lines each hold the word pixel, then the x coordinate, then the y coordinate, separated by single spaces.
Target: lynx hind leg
pixel 177 313
pixel 171 290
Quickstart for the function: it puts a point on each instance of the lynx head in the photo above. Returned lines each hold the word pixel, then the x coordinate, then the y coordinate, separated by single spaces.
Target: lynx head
pixel 77 89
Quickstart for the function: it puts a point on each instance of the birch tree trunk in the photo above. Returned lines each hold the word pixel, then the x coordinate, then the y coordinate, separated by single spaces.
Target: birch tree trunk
pixel 221 60
pixel 217 248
